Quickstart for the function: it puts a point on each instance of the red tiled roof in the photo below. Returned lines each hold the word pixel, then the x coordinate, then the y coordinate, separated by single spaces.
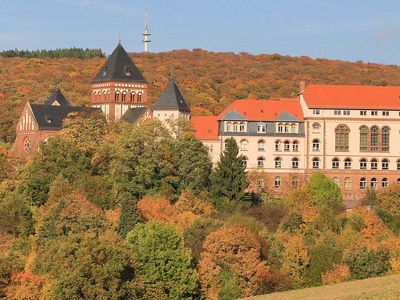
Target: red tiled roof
pixel 265 110
pixel 352 96
pixel 206 127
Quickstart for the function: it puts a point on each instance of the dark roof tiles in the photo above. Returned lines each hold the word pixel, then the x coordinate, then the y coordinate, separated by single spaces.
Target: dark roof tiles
pixel 133 114
pixel 57 97
pixel 171 99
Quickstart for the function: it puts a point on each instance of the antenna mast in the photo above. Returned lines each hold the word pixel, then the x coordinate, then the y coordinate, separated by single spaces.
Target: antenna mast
pixel 146 33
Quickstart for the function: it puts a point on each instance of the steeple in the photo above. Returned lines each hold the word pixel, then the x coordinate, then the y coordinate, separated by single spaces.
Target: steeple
pixel 172 99
pixel 146 33
pixel 119 67
pixel 56 99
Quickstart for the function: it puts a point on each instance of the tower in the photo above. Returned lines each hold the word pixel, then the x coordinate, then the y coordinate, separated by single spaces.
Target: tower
pixel 146 34
pixel 118 86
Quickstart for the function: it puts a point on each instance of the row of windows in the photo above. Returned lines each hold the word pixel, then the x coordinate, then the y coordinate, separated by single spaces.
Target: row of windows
pixel 278 182
pixel 261 128
pixel 363 183
pixel 235 127
pixel 277 162
pixel 132 97
pixel 244 144
pixel 364 164
pixel 338 112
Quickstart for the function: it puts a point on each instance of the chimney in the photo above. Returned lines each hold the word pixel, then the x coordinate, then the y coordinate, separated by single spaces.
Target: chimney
pixel 302 86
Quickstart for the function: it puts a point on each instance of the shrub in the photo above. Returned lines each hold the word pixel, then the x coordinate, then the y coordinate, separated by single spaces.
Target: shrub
pixel 292 222
pixel 338 274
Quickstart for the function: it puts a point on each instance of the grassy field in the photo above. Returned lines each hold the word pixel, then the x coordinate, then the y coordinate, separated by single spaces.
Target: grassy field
pixel 387 287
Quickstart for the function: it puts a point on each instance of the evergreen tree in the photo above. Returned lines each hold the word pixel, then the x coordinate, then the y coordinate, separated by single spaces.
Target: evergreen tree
pixel 229 179
pixel 129 217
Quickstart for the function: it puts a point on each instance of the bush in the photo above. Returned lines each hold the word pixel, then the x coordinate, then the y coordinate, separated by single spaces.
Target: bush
pixel 292 222
pixel 230 285
pixel 356 222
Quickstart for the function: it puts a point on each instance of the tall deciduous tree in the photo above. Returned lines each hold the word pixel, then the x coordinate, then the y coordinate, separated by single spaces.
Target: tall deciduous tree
pixel 229 181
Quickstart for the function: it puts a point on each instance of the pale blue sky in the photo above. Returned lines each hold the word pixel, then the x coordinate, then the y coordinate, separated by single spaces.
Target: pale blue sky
pixel 337 29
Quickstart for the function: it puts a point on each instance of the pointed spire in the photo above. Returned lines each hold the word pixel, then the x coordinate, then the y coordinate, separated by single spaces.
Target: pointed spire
pixel 119 67
pixel 171 99
pixel 56 99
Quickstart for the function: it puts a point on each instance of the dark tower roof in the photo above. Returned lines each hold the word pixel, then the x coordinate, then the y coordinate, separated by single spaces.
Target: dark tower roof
pixel 58 97
pixel 119 67
pixel 171 99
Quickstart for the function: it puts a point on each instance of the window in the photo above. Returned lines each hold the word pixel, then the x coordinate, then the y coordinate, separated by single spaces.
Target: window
pixel 243 144
pixel 315 111
pixel 385 164
pixel 374 113
pixel 385 138
pixel 336 181
pixel 385 113
pixel 280 127
pixel 374 138
pixel 116 96
pixel 293 128
pixel 278 145
pixel 398 164
pixel 261 128
pixel 342 138
pixel 132 97
pixel 335 163
pixel 295 146
pixel 295 181
pixel 241 127
pixel 316 126
pixel 346 113
pixel 385 182
pixel 278 163
pixel 244 161
pixel 347 163
pixel 373 183
pixel 363 163
pixel 235 127
pixel 315 144
pixel 139 98
pixel 315 163
pixel 347 183
pixel 286 146
pixel 295 163
pixel 260 183
pixel 260 162
pixel 228 126
pixel 278 182
pixel 363 112
pixel 363 183
pixel 27 144
pixel 123 96
pixel 286 127
pixel 261 145
pixel 364 138
pixel 337 112
pixel 374 164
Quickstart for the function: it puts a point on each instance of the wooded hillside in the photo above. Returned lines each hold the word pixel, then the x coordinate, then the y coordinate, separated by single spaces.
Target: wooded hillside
pixel 208 80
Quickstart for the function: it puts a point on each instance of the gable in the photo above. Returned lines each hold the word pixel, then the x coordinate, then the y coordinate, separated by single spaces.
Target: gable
pixel 233 115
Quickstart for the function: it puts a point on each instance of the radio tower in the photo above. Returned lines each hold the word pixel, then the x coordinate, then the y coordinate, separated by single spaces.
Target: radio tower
pixel 146 34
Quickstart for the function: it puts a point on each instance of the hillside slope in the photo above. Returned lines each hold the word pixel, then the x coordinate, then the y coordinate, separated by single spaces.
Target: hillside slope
pixel 209 80
pixel 387 287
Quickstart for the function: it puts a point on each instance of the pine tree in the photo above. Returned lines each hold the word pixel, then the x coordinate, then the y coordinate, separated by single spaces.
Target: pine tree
pixel 229 179
pixel 129 217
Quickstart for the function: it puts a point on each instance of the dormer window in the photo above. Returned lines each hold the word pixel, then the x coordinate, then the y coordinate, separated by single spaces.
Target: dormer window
pixel 127 70
pixel 49 120
pixel 105 71
pixel 261 128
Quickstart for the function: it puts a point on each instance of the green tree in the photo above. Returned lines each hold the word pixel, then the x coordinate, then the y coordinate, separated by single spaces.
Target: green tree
pixel 164 259
pixel 129 217
pixel 229 180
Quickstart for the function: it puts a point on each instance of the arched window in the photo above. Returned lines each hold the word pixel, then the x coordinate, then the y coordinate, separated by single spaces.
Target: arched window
pixel 241 127
pixel 139 98
pixel 235 126
pixel 260 162
pixel 335 163
pixel 243 144
pixel 373 183
pixel 385 164
pixel 295 181
pixel 278 182
pixel 374 164
pixel 315 163
pixel 280 127
pixel 363 163
pixel 244 161
pixel 116 97
pixel 132 97
pixel 293 128
pixel 342 138
pixel 124 96
pixel 363 183
pixel 261 145
pixel 295 163
pixel 286 127
pixel 398 164
pixel 385 182
pixel 347 163
pixel 278 145
pixel 295 146
pixel 374 138
pixel 316 126
pixel 278 162
pixel 385 138
pixel 286 146
pixel 364 138
pixel 347 183
pixel 228 126
pixel 336 181
pixel 27 144
pixel 315 144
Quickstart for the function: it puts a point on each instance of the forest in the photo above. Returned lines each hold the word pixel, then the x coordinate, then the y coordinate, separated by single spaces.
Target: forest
pixel 208 80
pixel 137 212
